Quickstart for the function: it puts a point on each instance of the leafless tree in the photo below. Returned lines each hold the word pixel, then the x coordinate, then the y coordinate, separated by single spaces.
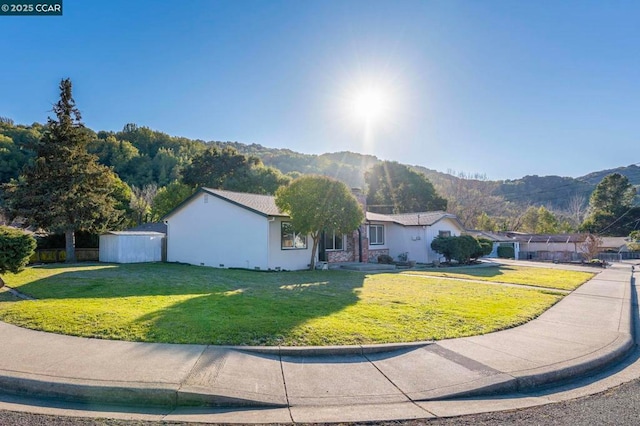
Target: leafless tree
pixel 577 208
pixel 141 199
pixel 590 247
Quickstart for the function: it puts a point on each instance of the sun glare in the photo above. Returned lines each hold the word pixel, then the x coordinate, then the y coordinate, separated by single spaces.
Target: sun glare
pixel 370 104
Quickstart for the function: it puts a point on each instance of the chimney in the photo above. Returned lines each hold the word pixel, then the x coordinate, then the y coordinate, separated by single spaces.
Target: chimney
pixel 362 199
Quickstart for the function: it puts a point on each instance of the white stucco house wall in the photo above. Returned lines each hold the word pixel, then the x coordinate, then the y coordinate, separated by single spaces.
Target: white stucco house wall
pixel 410 233
pixel 226 229
pixel 130 247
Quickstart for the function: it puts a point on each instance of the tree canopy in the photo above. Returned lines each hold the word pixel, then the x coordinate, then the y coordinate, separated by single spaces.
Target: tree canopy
pixel 64 189
pixel 611 209
pixel 318 203
pixel 395 188
pixel 225 168
pixel 169 197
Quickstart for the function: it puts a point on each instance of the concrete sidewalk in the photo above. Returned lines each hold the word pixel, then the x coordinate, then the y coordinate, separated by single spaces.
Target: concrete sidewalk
pixel 589 329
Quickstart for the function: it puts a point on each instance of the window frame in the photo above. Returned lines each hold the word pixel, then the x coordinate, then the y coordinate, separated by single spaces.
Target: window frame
pixel 333 239
pixel 295 236
pixel 444 234
pixel 371 240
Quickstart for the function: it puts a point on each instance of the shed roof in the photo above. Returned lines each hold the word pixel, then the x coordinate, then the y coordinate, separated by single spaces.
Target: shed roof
pixel 135 233
pixel 150 227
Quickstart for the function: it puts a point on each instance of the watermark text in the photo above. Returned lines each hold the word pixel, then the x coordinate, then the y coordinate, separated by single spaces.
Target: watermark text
pixel 31 8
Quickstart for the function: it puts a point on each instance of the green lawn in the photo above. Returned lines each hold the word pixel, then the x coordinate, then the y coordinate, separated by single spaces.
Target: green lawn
pixel 188 304
pixel 537 277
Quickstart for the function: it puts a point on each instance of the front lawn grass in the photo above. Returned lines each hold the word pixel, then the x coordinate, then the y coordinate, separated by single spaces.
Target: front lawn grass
pixel 537 277
pixel 187 304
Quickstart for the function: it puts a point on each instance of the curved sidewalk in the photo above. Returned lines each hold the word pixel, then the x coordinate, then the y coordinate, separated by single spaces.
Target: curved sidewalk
pixel 587 330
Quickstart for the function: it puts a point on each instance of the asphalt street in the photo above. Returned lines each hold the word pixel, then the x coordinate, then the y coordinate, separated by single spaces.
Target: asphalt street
pixel 617 406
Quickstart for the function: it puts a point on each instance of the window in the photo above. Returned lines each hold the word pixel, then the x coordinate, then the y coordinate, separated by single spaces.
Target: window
pixel 290 239
pixel 376 235
pixel 333 241
pixel 444 233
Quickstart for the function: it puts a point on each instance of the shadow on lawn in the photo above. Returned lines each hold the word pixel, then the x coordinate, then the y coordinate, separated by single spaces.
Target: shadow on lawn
pixel 474 270
pixel 223 307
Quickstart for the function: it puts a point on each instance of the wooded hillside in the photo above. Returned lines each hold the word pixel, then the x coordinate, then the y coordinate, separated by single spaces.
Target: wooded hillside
pixel 141 156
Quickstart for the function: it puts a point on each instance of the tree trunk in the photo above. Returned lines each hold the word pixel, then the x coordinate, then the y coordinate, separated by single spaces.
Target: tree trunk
pixel 1 283
pixel 70 245
pixel 314 249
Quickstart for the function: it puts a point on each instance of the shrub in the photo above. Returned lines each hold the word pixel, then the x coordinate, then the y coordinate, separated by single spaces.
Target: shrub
pixel 506 252
pixel 462 248
pixel 467 247
pixel 16 247
pixel 385 258
pixel 486 247
pixel 446 246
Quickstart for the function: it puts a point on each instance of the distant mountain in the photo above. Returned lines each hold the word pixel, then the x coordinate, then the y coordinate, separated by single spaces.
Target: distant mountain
pixel 554 192
pixel 632 173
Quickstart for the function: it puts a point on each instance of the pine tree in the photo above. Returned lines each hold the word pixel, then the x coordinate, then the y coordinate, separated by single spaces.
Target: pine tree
pixel 65 189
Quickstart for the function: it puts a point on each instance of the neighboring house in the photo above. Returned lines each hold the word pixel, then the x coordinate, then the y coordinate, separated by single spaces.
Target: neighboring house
pixel 557 247
pixel 498 240
pixel 237 230
pixel 615 244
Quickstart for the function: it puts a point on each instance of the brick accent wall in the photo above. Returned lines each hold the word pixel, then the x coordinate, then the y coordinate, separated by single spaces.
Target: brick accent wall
pixel 352 249
pixel 373 254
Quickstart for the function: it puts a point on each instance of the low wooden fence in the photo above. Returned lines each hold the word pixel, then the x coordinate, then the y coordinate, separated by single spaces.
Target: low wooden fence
pixel 60 255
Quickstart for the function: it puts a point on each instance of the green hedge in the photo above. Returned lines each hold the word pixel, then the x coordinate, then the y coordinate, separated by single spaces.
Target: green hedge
pixel 16 247
pixel 506 252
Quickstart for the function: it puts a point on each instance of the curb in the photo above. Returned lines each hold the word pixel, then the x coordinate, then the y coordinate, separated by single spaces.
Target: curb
pixel 313 351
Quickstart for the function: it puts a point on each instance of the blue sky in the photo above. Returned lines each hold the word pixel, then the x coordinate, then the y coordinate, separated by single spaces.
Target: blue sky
pixel 504 88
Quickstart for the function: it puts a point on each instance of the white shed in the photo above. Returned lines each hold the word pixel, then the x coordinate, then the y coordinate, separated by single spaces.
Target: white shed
pixel 131 247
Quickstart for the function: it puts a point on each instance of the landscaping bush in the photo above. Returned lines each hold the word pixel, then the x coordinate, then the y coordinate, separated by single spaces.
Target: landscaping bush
pixel 486 247
pixel 386 259
pixel 16 247
pixel 506 252
pixel 446 246
pixel 467 246
pixel 462 248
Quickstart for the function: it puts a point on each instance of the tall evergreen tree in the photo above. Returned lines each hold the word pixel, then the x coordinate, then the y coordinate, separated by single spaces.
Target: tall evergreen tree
pixel 65 189
pixel 611 209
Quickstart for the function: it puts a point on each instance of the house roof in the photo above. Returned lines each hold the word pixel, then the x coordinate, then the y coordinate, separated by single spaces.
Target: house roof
pixel 493 236
pixel 547 238
pixel 617 243
pixel 413 219
pixel 264 205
